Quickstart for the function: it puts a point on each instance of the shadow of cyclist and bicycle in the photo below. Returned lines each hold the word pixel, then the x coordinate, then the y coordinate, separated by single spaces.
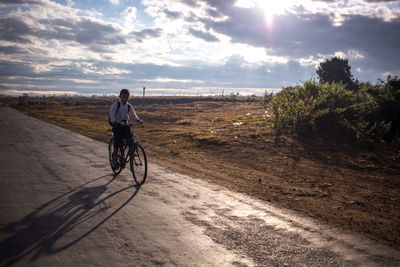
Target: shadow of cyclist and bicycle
pixel 63 221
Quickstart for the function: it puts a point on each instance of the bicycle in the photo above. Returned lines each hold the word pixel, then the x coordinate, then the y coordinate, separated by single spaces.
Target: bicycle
pixel 130 151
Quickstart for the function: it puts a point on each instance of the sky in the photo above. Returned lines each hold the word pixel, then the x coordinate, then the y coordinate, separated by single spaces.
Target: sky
pixel 190 47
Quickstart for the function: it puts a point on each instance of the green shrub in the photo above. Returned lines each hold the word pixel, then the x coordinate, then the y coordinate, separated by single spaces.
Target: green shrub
pixel 332 109
pixel 311 107
pixel 387 96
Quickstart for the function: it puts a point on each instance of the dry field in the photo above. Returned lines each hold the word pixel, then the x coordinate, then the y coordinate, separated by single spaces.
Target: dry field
pixel 233 143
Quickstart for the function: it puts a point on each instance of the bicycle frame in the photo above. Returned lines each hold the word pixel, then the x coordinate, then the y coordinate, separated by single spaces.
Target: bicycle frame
pixel 130 142
pixel 126 144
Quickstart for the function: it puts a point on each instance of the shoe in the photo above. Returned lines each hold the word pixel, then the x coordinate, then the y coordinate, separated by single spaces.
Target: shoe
pixel 115 166
pixel 115 163
pixel 121 161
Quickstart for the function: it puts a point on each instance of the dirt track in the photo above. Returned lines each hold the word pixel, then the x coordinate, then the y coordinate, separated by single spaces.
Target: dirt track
pixel 59 204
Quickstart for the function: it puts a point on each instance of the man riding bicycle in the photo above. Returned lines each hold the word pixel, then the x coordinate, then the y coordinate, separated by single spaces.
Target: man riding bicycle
pixel 120 111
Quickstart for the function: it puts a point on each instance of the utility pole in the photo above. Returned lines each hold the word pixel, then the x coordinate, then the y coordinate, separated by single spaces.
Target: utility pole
pixel 144 90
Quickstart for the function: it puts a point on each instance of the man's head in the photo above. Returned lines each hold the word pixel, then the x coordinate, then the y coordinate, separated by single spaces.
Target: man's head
pixel 124 95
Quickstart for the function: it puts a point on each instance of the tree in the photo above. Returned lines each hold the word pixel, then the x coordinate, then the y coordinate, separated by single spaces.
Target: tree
pixel 336 70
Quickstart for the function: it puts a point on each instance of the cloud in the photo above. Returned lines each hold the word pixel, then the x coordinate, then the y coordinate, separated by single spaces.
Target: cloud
pixel 191 3
pixel 226 7
pixel 3 88
pixel 114 2
pixel 380 1
pixel 19 2
pixel 129 13
pixel 147 33
pixel 204 35
pixel 14 30
pixel 173 14
pixel 11 49
pixel 86 32
pixel 213 13
pixel 9 68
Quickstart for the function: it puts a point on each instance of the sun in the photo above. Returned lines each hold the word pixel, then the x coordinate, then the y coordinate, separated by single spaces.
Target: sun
pixel 271 8
pixel 269 15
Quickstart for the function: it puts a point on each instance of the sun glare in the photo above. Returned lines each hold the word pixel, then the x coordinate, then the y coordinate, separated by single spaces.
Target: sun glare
pixel 271 8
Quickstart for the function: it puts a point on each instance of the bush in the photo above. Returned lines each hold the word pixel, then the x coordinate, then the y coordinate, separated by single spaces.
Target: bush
pixel 332 109
pixel 387 96
pixel 311 107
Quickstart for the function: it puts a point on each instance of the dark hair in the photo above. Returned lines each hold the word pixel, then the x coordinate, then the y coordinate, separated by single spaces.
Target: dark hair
pixel 124 91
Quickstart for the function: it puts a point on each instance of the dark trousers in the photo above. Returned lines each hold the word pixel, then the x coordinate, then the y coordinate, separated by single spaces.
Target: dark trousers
pixel 121 132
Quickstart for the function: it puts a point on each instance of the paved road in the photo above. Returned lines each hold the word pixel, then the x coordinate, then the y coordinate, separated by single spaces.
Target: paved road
pixel 60 205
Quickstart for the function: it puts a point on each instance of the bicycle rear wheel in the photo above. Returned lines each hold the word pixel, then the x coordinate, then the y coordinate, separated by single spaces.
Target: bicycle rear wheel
pixel 116 168
pixel 138 164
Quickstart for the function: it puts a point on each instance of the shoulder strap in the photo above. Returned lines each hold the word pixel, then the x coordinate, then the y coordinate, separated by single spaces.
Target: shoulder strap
pixel 118 106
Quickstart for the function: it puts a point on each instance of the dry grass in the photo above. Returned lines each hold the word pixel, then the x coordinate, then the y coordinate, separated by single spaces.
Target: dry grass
pixel 233 144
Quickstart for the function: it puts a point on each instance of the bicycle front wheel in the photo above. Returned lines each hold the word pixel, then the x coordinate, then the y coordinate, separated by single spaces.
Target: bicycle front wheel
pixel 116 167
pixel 138 164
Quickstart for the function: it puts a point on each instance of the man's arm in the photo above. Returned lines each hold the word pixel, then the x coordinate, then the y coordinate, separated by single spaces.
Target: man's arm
pixel 133 114
pixel 113 108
